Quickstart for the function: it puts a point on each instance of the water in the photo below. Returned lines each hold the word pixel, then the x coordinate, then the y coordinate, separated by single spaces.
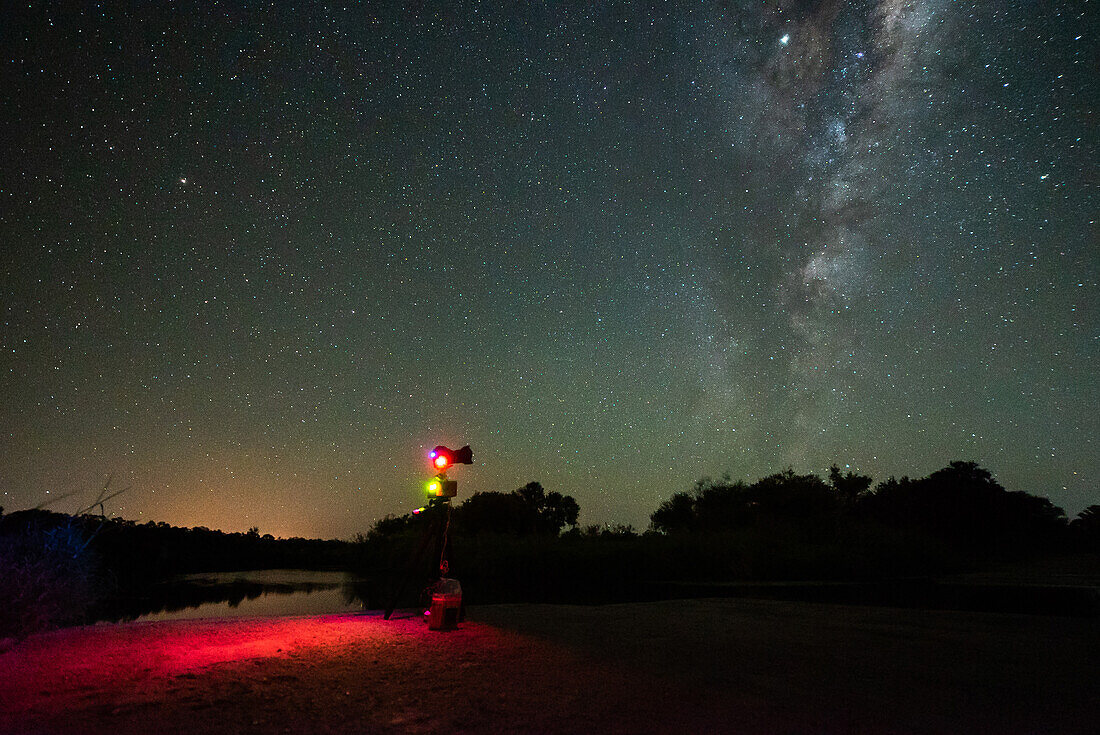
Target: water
pixel 260 593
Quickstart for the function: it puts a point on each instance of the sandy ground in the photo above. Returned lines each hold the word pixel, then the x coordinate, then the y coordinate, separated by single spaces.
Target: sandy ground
pixel 737 666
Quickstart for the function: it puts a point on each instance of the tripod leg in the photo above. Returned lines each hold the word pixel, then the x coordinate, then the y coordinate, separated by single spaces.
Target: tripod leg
pixel 410 569
pixel 445 558
pixel 462 605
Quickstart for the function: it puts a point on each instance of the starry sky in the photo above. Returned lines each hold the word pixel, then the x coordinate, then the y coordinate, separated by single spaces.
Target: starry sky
pixel 258 258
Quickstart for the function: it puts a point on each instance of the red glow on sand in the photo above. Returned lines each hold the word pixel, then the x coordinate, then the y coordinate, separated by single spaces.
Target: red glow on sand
pixel 100 655
pixel 216 675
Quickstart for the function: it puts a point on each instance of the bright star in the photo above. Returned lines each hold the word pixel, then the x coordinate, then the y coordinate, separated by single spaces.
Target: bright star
pixel 786 39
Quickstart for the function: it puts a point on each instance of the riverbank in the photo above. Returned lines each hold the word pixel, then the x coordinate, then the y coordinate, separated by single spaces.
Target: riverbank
pixel 738 665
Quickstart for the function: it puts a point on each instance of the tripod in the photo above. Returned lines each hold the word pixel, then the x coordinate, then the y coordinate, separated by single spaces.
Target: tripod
pixel 439 522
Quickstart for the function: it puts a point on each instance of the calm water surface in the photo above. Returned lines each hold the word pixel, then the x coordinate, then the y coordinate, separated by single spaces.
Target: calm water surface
pixel 268 592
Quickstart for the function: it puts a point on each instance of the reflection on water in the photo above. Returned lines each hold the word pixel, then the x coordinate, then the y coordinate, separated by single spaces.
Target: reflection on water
pixel 268 593
pixel 289 592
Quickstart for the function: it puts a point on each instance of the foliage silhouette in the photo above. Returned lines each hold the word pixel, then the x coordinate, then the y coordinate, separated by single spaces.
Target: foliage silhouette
pixel 725 505
pixel 54 567
pixel 964 506
pixel 528 510
pixel 786 526
pixel 1085 529
pixel 675 514
pixel 47 577
pixel 960 506
pixel 849 487
pixel 528 516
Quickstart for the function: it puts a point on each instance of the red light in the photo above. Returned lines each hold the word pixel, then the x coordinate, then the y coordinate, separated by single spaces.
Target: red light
pixel 441 462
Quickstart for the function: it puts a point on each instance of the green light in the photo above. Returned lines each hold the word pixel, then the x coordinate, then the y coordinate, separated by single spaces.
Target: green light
pixel 433 487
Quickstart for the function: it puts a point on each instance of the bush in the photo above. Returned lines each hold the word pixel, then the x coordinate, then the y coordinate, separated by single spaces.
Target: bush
pixel 47 578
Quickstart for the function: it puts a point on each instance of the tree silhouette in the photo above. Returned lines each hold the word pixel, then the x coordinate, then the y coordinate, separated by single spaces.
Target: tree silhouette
pixel 723 505
pixel 849 487
pixel 553 511
pixel 964 505
pixel 528 510
pixel 787 495
pixel 1085 528
pixel 675 514
pixel 720 505
pixel 391 525
pixel 495 512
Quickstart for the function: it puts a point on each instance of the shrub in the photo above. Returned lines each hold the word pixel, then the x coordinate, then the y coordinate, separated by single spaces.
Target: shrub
pixel 46 578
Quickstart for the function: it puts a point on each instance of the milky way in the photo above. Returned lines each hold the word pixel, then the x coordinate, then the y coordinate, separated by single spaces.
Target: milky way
pixel 257 260
pixel 827 108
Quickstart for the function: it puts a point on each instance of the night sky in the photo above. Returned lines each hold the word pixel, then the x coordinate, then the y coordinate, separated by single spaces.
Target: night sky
pixel 258 258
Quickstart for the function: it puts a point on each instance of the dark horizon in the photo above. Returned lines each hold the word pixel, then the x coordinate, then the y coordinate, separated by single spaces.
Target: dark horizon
pixel 870 485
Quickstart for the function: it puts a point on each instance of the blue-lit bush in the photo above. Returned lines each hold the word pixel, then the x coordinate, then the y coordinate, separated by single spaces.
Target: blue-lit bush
pixel 46 578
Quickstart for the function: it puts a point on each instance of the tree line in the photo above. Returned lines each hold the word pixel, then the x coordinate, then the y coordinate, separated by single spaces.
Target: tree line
pixel 529 510
pixel 526 545
pixel 57 568
pixel 960 505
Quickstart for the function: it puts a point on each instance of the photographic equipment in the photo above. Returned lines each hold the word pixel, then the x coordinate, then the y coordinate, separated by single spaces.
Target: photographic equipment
pixel 438 513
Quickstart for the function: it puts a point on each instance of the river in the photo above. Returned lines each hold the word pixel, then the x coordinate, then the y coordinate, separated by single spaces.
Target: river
pixel 267 593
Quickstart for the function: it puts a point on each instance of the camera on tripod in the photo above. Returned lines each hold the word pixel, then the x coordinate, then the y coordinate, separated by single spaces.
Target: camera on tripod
pixel 446 607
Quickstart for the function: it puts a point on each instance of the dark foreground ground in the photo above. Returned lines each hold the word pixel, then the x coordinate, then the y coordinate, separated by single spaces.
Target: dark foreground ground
pixel 729 665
